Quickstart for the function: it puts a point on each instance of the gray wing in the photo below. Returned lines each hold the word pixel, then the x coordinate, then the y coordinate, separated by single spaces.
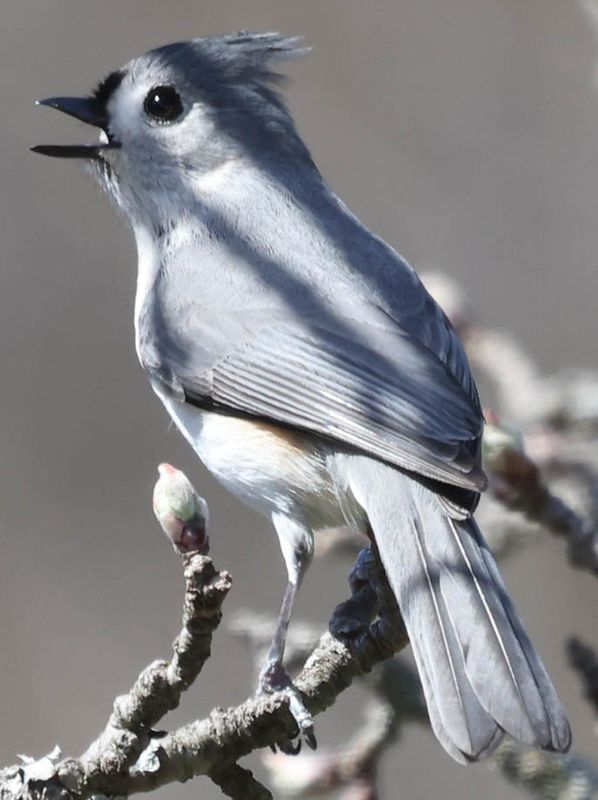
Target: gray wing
pixel 370 384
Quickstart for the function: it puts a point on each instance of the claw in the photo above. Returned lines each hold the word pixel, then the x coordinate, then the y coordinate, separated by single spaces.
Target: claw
pixel 289 748
pixel 300 713
pixel 310 738
pixel 273 678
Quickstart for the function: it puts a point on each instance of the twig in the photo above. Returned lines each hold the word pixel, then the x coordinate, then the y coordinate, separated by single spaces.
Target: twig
pixel 212 745
pixel 584 660
pixel 518 484
pixel 158 688
pixel 239 783
pixel 546 775
pixel 226 736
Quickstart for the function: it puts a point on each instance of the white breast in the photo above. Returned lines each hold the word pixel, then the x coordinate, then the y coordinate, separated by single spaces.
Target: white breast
pixel 269 467
pixel 148 265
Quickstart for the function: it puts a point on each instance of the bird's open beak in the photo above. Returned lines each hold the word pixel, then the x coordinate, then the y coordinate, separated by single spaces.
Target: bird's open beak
pixel 86 110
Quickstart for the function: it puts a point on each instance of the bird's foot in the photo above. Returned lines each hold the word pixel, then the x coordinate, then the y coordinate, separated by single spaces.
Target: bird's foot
pixel 274 678
pixel 354 616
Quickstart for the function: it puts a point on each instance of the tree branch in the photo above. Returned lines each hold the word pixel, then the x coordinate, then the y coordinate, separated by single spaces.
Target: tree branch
pixel 584 660
pixel 128 757
pixel 159 687
pixel 239 783
pixel 546 775
pixel 517 482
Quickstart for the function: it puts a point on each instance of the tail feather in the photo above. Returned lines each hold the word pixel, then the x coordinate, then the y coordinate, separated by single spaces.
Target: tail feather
pixel 499 662
pixel 560 738
pixel 460 721
pixel 480 673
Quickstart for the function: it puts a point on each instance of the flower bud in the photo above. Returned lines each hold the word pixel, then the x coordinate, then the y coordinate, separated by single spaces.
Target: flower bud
pixel 181 512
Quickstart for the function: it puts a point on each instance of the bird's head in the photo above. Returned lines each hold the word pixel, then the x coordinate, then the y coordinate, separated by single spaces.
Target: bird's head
pixel 173 119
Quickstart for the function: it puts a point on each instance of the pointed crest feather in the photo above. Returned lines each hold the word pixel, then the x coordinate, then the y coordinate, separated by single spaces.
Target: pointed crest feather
pixel 241 57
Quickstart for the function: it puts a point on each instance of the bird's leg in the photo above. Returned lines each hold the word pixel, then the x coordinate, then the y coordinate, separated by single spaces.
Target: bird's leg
pixel 296 543
pixel 274 677
pixel 273 673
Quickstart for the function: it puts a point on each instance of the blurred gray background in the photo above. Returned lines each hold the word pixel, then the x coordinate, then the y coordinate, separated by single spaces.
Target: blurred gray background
pixel 463 131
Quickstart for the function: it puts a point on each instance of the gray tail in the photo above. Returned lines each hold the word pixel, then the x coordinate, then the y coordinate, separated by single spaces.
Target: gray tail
pixel 480 673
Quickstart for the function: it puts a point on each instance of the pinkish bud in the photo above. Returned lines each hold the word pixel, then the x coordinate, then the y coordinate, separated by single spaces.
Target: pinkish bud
pixel 181 512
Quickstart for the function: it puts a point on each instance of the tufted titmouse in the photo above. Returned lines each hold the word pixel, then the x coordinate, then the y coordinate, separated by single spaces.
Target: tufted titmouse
pixel 312 373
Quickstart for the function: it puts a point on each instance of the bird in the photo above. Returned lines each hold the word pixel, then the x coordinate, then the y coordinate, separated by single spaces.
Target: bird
pixel 309 369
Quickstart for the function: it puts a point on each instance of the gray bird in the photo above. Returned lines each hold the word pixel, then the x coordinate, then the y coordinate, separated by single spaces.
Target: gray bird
pixel 309 369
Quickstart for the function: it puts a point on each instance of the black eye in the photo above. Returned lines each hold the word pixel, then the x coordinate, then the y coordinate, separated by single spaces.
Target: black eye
pixel 163 104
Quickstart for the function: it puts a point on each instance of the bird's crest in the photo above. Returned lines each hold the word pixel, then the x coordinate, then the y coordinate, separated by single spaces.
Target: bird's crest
pixel 237 58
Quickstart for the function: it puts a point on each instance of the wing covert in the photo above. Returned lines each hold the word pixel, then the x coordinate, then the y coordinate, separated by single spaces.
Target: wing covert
pixel 381 391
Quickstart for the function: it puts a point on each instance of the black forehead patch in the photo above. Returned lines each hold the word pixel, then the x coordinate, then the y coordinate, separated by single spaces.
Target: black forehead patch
pixel 106 88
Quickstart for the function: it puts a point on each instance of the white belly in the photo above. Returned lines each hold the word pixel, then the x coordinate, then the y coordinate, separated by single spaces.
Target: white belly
pixel 270 468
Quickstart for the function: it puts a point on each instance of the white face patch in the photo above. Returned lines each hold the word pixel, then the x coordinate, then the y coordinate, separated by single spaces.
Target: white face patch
pixel 163 168
pixel 125 108
pixel 130 124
